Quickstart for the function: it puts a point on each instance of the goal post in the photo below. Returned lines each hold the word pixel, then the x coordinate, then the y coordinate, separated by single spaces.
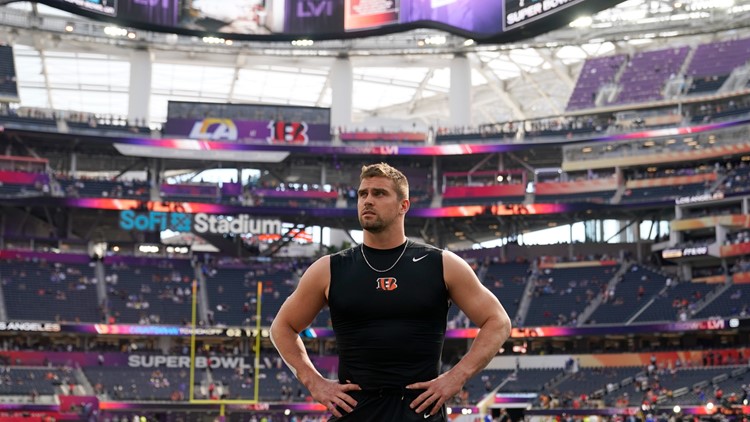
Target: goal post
pixel 256 361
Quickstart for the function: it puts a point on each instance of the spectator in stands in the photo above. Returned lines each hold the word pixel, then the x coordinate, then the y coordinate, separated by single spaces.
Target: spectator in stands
pixel 370 325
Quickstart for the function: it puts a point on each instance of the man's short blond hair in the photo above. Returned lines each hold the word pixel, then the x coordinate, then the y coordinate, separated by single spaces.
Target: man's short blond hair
pixel 400 183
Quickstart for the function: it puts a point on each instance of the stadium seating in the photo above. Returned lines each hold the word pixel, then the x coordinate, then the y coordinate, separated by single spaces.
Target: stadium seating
pixel 661 193
pixel 232 292
pixel 731 303
pixel 596 72
pixel 8 83
pixel 588 381
pixel 638 285
pixel 276 384
pixel 737 179
pixel 508 282
pixel 142 384
pixel 667 306
pixel 30 381
pixel 562 294
pixel 150 294
pixel 89 188
pixel 647 73
pixel 713 62
pixel 484 382
pixel 596 197
pixel 530 380
pixel 37 290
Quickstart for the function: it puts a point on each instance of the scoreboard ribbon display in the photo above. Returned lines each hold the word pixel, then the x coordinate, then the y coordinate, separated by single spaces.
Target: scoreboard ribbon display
pixel 482 20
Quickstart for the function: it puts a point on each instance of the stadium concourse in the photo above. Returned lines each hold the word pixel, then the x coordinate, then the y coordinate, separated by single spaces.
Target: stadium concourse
pixel 593 170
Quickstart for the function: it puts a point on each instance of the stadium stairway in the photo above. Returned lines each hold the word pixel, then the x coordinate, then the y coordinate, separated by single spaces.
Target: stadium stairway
pixel 737 80
pixel 645 307
pixel 3 311
pixel 528 293
pixel 82 383
pixel 589 310
pixel 617 197
pixel 203 303
pixel 711 296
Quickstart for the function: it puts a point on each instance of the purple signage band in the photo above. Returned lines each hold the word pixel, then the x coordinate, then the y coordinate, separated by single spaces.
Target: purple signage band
pixel 249 131
pixel 392 150
pixel 530 332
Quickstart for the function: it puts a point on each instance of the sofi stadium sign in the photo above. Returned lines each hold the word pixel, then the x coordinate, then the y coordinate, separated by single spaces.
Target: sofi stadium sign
pixel 198 223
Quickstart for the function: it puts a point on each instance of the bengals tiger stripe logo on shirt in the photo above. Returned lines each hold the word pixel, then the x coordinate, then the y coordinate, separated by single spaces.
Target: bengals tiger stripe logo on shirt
pixel 387 283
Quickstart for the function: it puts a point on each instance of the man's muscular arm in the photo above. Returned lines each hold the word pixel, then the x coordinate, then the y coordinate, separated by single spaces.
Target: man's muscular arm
pixel 486 312
pixel 296 314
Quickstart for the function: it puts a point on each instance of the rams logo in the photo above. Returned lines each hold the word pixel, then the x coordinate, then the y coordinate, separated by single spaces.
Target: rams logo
pixel 287 132
pixel 387 283
pixel 214 129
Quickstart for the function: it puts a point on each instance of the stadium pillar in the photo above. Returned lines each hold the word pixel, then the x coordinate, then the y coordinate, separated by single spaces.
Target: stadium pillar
pixel 73 165
pixel 342 83
pixel 140 87
pixel 636 229
pixel 460 92
pixel 3 220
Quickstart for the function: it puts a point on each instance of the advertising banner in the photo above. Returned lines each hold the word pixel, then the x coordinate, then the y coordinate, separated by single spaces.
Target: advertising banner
pixel 496 191
pixel 156 12
pixel 22 178
pixel 366 14
pixel 239 332
pixel 313 16
pixel 249 131
pixel 476 16
pixel 521 12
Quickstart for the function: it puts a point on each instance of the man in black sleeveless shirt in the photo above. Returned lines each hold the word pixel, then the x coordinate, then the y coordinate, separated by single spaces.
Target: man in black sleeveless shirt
pixel 389 300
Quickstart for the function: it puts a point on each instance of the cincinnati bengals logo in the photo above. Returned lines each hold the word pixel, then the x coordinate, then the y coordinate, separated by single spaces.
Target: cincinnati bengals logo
pixel 287 132
pixel 387 283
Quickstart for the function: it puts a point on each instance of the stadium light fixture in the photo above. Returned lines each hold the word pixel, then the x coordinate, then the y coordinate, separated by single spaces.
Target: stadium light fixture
pixel 677 409
pixel 709 406
pixel 710 4
pixel 303 43
pixel 436 40
pixel 131 35
pixel 115 31
pixel 213 40
pixel 69 27
pixel 469 43
pixel 582 22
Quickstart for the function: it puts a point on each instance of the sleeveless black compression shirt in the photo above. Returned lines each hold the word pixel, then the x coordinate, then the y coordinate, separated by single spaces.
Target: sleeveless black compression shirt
pixel 389 326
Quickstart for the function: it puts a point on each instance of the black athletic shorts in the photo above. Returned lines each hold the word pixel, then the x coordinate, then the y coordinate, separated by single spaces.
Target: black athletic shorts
pixel 387 405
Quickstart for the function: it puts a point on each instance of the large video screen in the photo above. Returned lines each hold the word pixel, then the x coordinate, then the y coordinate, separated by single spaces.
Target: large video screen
pixel 326 19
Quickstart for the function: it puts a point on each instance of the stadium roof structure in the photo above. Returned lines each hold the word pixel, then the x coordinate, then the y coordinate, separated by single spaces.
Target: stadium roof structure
pixel 66 62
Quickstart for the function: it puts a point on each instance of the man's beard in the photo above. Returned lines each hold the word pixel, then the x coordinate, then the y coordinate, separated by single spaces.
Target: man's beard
pixel 373 226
